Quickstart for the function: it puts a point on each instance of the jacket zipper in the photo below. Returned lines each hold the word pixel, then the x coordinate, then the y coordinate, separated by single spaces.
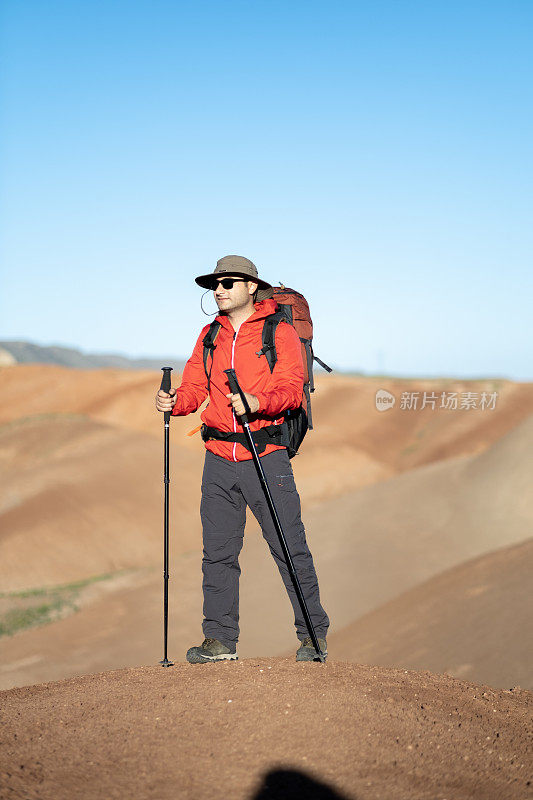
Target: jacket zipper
pixel 232 410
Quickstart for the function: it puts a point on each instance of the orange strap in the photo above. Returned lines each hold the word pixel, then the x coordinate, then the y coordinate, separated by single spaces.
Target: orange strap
pixel 194 430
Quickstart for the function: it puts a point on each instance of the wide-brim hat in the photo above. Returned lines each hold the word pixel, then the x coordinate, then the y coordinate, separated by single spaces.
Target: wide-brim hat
pixel 232 265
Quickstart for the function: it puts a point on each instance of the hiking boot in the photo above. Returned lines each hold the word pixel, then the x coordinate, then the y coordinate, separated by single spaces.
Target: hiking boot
pixel 307 652
pixel 211 650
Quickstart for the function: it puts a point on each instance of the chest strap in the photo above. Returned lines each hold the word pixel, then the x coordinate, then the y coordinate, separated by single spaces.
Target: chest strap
pixel 270 434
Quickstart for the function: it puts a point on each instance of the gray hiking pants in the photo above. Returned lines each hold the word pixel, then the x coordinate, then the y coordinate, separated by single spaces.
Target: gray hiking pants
pixel 227 488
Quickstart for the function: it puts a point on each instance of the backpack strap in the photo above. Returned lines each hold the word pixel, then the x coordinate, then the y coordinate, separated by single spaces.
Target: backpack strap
pixel 209 347
pixel 308 347
pixel 269 338
pixel 271 434
pixel 324 366
pixel 308 410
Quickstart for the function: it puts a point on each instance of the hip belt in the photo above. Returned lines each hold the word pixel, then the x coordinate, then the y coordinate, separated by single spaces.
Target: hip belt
pixel 270 434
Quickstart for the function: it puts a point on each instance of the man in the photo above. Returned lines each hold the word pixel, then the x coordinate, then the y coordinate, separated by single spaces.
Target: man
pixel 230 480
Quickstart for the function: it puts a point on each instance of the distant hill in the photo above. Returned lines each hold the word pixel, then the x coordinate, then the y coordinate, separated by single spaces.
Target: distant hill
pixel 471 621
pixel 29 353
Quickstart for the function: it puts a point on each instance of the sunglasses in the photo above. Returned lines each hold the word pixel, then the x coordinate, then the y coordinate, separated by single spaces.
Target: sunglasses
pixel 227 283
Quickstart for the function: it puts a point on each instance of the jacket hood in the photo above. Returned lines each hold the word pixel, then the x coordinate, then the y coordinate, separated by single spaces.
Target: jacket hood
pixel 262 309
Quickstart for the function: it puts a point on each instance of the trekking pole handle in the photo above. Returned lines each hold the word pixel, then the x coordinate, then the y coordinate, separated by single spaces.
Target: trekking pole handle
pixel 165 387
pixel 165 383
pixel 236 389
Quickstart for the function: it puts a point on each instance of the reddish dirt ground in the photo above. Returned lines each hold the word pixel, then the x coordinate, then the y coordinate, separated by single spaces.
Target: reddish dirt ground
pixel 390 501
pixel 266 728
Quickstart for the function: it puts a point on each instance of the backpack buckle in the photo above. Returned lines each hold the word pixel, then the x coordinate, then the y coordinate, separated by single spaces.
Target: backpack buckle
pixel 264 350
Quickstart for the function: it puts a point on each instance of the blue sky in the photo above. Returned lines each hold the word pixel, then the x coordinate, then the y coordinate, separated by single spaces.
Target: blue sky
pixel 376 156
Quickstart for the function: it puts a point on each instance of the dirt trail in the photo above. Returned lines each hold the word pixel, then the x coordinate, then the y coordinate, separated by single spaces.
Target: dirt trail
pixel 266 728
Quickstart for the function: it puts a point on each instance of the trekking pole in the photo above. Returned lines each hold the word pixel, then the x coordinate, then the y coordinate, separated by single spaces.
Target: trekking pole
pixel 236 389
pixel 165 386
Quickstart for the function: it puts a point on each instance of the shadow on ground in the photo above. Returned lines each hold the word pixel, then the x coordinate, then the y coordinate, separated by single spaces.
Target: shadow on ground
pixel 289 784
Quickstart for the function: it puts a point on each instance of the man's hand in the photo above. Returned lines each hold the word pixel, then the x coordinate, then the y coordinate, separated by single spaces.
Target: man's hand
pixel 238 405
pixel 164 401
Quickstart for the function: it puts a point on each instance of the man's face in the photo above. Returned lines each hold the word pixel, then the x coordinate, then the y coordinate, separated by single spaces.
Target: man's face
pixel 238 296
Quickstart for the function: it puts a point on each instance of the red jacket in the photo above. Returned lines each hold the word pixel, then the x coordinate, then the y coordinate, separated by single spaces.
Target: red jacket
pixel 277 391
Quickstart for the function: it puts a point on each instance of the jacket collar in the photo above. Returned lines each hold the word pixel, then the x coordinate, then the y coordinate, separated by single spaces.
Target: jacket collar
pixel 262 310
